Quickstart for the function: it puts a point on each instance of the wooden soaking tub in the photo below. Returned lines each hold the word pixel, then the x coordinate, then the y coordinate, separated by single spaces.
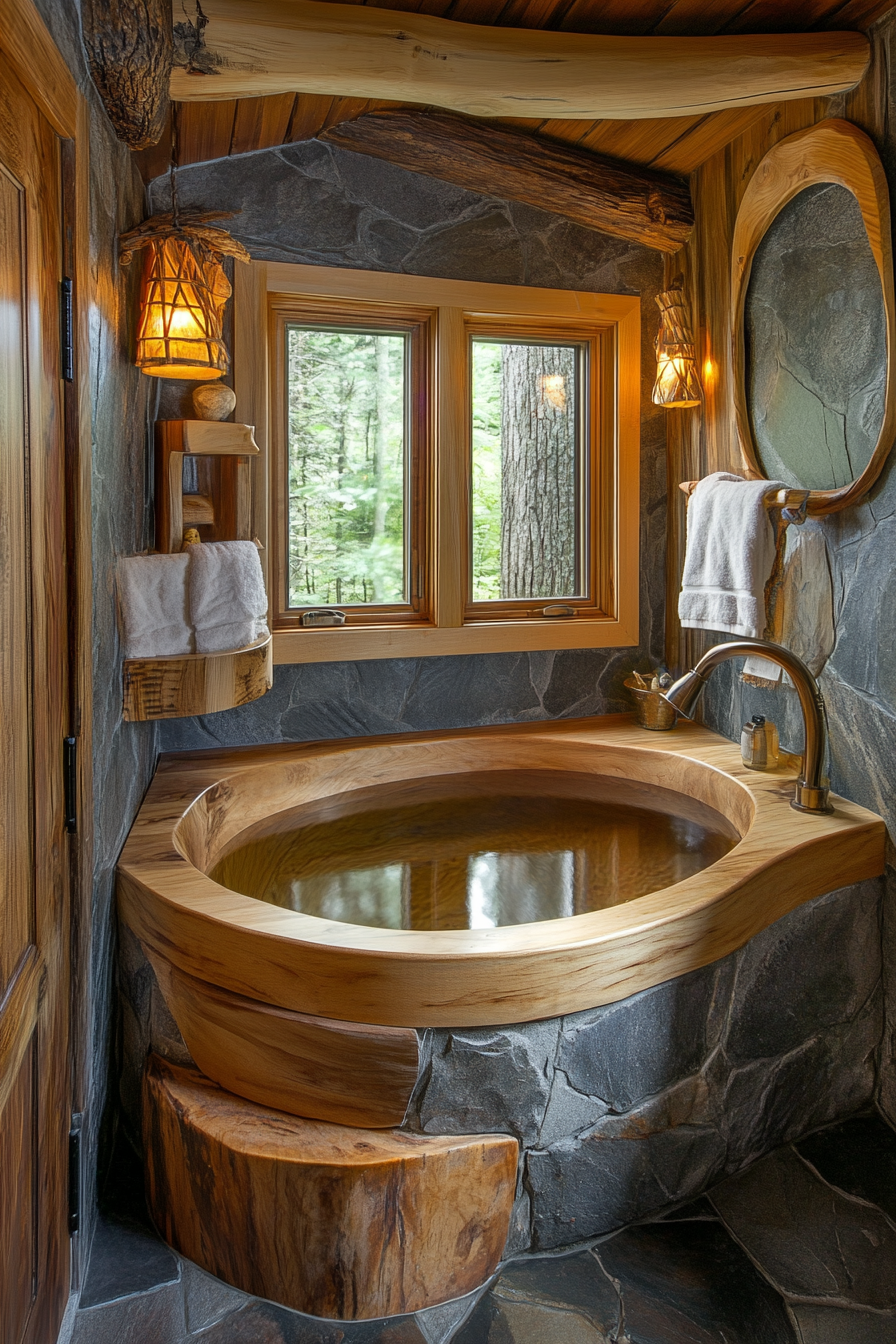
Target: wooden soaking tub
pixel 202 805
pixel 304 1028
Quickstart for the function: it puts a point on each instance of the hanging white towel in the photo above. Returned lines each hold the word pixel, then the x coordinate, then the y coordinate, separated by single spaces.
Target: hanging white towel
pixel 228 603
pixel 729 556
pixel 152 596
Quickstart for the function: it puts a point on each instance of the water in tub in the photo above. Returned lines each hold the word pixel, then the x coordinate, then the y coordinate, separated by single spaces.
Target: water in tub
pixel 476 850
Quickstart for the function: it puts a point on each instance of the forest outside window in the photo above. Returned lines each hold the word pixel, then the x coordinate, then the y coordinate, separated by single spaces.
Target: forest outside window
pixel 451 476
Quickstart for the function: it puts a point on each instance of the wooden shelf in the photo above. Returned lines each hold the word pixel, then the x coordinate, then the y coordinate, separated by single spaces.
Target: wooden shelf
pixel 222 506
pixel 196 683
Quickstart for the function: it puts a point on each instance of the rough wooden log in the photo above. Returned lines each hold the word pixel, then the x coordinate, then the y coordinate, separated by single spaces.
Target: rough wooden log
pixel 244 48
pixel 334 1221
pixel 130 50
pixel 601 193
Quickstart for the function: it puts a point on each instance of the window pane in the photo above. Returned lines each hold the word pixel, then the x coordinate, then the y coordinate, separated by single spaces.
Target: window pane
pixel 347 462
pixel 526 474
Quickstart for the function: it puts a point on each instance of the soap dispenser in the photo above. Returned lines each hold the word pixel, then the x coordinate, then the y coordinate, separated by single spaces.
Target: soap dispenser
pixel 759 744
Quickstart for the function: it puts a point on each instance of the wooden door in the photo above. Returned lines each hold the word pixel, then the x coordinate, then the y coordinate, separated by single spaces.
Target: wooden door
pixel 34 935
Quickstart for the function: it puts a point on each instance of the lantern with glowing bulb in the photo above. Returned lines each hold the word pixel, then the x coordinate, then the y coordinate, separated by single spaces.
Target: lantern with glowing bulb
pixel 180 331
pixel 677 382
pixel 182 312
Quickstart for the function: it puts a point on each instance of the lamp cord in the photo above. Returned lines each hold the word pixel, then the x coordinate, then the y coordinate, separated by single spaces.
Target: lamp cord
pixel 172 168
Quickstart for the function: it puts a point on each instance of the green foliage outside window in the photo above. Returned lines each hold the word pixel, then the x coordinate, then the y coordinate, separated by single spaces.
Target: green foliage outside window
pixel 347 467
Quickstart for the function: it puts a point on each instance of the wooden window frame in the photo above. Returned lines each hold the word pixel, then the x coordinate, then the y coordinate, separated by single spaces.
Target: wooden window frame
pixel 597 471
pixel 264 289
pixel 419 325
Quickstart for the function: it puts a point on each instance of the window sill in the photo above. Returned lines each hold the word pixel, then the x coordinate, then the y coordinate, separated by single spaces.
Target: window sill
pixel 357 643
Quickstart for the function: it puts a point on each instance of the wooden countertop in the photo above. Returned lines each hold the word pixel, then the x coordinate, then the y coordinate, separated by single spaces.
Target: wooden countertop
pixel 198 803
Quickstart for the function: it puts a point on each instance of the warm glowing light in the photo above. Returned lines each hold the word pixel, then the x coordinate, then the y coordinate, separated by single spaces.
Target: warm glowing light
pixel 552 388
pixel 677 383
pixel 709 372
pixel 180 331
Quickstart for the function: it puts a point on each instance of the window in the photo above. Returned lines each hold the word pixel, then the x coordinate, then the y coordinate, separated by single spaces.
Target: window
pixel 453 467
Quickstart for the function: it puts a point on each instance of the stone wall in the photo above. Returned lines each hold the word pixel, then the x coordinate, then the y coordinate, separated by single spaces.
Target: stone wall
pixel 318 205
pixel 625 1110
pixel 124 754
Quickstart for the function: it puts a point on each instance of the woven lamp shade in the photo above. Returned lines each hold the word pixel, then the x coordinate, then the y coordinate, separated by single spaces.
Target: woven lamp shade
pixel 677 383
pixel 181 316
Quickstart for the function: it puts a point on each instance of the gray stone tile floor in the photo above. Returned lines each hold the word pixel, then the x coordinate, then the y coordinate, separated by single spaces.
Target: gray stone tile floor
pixel 799 1248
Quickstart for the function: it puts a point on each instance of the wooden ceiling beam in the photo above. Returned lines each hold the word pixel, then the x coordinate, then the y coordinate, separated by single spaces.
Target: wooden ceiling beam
pixel 618 198
pixel 246 48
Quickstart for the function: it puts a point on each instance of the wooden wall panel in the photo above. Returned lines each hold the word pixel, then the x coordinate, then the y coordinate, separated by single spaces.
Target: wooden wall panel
pixel 699 443
pixel 261 123
pixel 205 134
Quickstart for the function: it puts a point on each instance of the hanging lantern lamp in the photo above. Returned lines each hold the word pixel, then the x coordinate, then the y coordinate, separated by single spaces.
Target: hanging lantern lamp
pixel 181 314
pixel 180 332
pixel 180 329
pixel 677 381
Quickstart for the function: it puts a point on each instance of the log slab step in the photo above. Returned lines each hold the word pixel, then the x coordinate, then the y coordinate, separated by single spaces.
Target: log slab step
pixel 337 1222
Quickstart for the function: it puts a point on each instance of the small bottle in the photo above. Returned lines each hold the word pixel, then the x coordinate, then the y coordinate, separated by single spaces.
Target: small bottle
pixel 759 744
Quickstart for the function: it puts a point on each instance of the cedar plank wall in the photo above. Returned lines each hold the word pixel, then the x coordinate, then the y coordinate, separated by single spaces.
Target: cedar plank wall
pixel 699 444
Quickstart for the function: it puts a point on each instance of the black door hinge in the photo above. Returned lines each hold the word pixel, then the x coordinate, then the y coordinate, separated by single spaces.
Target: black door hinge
pixel 70 782
pixel 66 329
pixel 74 1175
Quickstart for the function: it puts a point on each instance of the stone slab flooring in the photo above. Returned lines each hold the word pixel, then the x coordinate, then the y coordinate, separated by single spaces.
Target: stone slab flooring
pixel 800 1248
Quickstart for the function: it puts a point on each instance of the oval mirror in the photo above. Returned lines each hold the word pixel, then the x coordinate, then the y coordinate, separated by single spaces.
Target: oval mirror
pixel 812 300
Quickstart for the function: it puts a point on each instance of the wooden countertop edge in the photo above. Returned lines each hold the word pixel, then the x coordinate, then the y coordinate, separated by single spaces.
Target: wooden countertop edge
pixel 397 978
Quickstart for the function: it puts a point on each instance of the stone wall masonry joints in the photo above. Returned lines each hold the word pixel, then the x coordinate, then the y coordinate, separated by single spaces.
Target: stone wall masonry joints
pixel 315 204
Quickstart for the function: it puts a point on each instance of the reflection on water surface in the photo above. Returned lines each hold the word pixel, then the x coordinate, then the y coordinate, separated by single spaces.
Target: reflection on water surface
pixel 477 851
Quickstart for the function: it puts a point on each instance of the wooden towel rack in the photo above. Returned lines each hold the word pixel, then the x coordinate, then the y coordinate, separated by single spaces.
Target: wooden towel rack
pixel 793 503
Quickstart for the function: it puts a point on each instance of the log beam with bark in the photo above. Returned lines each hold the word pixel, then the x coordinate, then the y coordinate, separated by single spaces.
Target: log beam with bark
pixel 601 193
pixel 245 48
pixel 130 48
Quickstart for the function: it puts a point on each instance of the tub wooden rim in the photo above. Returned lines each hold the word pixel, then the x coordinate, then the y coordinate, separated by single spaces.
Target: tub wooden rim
pixel 486 976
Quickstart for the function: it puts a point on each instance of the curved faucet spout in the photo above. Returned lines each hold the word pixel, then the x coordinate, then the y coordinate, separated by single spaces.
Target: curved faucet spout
pixel 812 787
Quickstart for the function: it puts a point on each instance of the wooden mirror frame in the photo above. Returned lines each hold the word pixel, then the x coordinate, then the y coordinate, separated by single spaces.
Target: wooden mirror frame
pixel 831 151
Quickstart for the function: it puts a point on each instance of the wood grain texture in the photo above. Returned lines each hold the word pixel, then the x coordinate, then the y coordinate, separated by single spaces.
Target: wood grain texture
pixel 698 445
pixel 662 142
pixel 199 805
pixel 196 683
pixel 36 60
pixel 35 551
pixel 344 1072
pixel 336 1222
pixel 214 438
pixel 600 193
pixel 830 151
pixel 130 49
pixel 354 51
pixel 226 481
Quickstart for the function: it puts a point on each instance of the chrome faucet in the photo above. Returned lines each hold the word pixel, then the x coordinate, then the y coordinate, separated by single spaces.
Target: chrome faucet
pixel 811 788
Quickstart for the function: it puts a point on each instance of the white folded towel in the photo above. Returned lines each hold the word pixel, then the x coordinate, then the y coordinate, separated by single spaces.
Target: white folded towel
pixel 228 603
pixel 729 556
pixel 152 595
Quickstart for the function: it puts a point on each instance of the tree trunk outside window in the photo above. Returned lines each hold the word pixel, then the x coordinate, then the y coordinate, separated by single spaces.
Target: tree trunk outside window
pixel 538 472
